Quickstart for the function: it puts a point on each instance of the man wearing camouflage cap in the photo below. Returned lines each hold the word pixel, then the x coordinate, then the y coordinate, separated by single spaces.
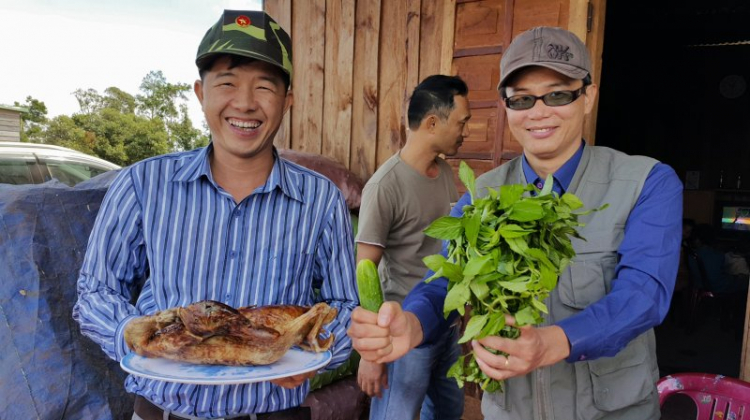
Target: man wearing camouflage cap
pixel 594 356
pixel 231 222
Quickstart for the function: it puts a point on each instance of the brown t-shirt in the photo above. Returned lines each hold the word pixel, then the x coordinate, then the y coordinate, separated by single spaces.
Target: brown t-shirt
pixel 398 203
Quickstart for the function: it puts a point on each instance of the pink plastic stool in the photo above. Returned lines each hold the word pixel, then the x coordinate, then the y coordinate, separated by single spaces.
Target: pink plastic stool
pixel 716 396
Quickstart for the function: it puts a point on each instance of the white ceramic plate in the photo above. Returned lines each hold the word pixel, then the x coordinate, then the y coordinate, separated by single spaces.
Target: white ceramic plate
pixel 294 362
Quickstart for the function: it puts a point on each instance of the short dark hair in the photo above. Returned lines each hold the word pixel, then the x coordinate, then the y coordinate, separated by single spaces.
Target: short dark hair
pixel 434 96
pixel 235 60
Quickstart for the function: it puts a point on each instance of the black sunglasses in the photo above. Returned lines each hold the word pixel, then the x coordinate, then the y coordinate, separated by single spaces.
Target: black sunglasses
pixel 556 98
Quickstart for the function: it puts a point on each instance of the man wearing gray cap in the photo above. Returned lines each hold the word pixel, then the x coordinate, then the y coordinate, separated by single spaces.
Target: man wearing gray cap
pixel 232 222
pixel 594 356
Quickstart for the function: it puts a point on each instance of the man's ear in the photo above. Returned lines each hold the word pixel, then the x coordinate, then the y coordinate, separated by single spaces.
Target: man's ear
pixel 590 97
pixel 288 101
pixel 198 89
pixel 429 123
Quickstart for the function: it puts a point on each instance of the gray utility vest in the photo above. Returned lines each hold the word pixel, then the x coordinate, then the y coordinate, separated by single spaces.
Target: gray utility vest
pixel 619 387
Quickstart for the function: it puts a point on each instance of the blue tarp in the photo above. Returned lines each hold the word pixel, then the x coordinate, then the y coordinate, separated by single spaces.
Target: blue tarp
pixel 48 370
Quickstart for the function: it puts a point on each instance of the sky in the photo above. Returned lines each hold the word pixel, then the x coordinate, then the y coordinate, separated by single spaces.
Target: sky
pixel 50 48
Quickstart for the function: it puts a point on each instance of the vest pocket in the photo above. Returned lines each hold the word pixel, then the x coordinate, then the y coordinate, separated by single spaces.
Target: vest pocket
pixel 622 380
pixel 586 281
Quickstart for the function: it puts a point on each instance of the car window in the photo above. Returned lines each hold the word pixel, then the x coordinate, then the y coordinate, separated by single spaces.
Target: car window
pixel 16 171
pixel 72 173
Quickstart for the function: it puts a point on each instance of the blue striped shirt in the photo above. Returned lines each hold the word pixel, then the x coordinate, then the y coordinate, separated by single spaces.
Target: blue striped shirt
pixel 167 225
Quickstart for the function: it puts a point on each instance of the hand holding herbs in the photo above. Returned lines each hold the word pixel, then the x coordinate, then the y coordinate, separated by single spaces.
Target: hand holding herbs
pixel 504 257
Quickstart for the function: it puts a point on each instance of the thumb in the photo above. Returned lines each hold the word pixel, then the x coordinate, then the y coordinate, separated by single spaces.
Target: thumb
pixel 387 313
pixel 399 324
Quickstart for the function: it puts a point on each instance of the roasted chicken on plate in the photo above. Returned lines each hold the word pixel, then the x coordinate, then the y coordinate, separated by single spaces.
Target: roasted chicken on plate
pixel 211 332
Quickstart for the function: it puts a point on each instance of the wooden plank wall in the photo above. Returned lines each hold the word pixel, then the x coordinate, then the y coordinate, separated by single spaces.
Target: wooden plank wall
pixel 355 65
pixel 10 125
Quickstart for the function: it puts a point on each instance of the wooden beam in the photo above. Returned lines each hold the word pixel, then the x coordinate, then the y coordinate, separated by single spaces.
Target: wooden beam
pixel 577 12
pixel 502 125
pixel 431 34
pixel 393 70
pixel 365 89
pixel 449 28
pixel 339 50
pixel 413 27
pixel 281 12
pixel 595 45
pixel 309 61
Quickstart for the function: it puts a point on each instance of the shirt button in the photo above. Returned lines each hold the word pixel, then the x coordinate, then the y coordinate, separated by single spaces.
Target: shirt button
pixel 582 357
pixel 540 185
pixel 232 254
pixel 237 213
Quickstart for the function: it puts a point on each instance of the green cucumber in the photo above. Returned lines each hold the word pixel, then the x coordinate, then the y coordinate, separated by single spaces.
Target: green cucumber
pixel 368 283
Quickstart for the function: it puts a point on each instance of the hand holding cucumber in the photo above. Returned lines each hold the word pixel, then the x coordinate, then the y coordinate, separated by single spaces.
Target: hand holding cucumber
pixel 381 331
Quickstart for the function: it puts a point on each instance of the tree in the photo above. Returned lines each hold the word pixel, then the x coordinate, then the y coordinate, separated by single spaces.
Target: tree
pixel 34 121
pixel 119 100
pixel 89 100
pixel 63 131
pixel 122 138
pixel 159 96
pixel 120 127
pixel 184 135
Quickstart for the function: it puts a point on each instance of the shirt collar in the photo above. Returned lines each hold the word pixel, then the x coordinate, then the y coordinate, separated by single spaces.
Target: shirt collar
pixel 563 176
pixel 197 166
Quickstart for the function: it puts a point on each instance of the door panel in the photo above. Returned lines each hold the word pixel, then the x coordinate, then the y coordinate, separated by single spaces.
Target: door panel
pixel 479 26
pixel 482 30
pixel 481 73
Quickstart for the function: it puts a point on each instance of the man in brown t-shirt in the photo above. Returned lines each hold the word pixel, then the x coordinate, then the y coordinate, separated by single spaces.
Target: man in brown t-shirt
pixel 407 193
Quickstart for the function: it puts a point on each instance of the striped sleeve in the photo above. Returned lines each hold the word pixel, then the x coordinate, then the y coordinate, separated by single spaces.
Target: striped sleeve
pixel 115 261
pixel 334 269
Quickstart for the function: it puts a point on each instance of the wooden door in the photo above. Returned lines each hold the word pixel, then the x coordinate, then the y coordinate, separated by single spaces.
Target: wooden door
pixel 482 30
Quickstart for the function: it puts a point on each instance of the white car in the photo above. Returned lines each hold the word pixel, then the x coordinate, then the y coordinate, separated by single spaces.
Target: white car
pixel 31 163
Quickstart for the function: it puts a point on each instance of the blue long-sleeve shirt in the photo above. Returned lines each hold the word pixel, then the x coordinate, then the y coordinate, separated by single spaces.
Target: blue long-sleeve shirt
pixel 165 223
pixel 644 280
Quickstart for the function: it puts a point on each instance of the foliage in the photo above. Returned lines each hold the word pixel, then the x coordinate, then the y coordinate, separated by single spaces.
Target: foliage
pixel 184 135
pixel 118 126
pixel 159 96
pixel 504 257
pixel 34 120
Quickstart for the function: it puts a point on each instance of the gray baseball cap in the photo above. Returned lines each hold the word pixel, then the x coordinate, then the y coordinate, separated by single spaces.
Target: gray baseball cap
pixel 546 46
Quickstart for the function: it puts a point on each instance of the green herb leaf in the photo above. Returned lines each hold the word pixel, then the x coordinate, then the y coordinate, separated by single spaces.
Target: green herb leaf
pixel 514 231
pixel 466 175
pixel 456 298
pixel 434 262
pixel 473 327
pixel 471 227
pixel 526 316
pixel 494 325
pixel 479 265
pixel 445 228
pixel 548 184
pixel 453 272
pixel 526 211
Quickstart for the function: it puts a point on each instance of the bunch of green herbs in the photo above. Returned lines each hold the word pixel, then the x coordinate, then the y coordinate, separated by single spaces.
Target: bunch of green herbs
pixel 504 257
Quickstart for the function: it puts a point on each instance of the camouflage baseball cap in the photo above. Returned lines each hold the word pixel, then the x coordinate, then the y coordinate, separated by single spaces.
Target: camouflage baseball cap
pixel 546 46
pixel 249 33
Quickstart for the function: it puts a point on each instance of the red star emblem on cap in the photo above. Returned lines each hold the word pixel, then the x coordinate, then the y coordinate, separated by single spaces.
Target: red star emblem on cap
pixel 242 21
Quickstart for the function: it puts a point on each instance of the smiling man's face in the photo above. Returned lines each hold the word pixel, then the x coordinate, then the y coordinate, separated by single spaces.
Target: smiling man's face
pixel 243 106
pixel 549 134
